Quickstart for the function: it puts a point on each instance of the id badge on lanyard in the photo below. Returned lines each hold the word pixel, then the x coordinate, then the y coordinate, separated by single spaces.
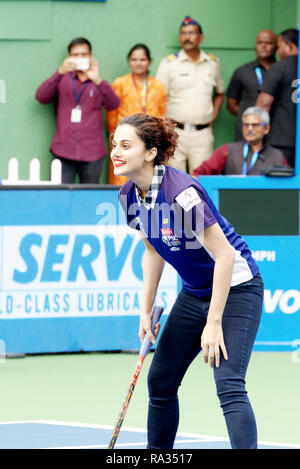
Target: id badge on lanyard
pixel 76 112
pixel 255 155
pixel 259 75
pixel 144 97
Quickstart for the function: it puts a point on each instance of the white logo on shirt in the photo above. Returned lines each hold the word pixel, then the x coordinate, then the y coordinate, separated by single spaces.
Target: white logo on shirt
pixel 188 198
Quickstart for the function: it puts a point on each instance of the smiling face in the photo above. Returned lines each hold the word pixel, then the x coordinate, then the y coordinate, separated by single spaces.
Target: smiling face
pixel 139 62
pixel 129 155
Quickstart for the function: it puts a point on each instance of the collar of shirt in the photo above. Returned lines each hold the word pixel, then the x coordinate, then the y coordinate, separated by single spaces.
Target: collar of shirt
pixel 182 55
pixel 75 76
pixel 260 152
pixel 151 196
pixel 257 63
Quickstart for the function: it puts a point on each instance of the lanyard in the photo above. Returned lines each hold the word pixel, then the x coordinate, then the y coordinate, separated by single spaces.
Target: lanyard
pixel 76 95
pixel 253 159
pixel 259 75
pixel 142 98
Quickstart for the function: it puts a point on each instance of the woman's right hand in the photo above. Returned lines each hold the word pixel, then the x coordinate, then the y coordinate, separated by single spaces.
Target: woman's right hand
pixel 145 327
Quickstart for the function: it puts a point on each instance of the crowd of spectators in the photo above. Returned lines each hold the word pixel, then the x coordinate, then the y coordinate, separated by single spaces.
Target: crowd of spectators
pixel 188 88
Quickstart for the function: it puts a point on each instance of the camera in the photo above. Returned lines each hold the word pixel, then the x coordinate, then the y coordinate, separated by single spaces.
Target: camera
pixel 82 63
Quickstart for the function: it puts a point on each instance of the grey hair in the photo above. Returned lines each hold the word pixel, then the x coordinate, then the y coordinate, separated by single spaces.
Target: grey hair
pixel 257 111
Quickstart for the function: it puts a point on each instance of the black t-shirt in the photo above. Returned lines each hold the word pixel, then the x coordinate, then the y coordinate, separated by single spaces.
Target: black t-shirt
pixel 279 84
pixel 245 87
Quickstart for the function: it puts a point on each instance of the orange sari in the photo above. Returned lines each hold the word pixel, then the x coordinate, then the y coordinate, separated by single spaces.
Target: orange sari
pixel 133 99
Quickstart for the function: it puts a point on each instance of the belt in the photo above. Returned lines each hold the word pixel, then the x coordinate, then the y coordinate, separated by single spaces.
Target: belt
pixel 191 126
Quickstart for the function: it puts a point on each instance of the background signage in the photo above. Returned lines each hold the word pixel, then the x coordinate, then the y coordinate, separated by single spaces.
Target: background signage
pixel 71 275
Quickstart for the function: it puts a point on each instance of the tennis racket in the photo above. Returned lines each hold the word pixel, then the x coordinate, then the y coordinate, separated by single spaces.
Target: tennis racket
pixel 145 347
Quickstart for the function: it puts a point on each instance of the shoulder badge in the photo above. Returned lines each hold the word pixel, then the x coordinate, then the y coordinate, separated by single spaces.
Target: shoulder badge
pixel 172 57
pixel 188 198
pixel 213 57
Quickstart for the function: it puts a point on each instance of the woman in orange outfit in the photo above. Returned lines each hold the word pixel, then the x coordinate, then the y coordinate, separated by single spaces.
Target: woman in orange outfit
pixel 138 92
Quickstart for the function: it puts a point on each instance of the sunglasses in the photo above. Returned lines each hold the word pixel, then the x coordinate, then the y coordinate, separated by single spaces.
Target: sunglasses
pixel 253 125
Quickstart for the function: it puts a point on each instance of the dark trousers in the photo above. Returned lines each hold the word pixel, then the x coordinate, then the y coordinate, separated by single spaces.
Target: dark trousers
pixel 89 172
pixel 177 347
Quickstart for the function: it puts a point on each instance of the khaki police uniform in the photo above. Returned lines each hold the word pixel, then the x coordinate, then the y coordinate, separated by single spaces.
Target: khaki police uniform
pixel 190 87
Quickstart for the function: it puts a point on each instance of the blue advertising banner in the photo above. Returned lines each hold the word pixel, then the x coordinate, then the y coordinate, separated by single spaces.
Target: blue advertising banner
pixel 279 260
pixel 71 272
pixel 71 276
pixel 278 255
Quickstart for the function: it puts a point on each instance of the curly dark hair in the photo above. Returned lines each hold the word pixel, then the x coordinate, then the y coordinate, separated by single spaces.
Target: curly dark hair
pixel 156 133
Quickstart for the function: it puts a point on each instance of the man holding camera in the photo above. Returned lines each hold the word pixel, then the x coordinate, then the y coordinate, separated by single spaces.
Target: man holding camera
pixel 79 94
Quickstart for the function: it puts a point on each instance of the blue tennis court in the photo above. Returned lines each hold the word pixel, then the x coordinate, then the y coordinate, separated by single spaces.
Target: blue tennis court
pixel 44 434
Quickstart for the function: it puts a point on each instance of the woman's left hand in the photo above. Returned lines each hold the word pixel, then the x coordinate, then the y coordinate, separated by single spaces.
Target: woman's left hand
pixel 212 343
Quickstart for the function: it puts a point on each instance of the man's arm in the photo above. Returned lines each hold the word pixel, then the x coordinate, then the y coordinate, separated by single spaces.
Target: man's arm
pixel 48 89
pixel 233 106
pixel 46 92
pixel 234 92
pixel 215 164
pixel 217 104
pixel 219 90
pixel 271 86
pixel 110 99
pixel 265 101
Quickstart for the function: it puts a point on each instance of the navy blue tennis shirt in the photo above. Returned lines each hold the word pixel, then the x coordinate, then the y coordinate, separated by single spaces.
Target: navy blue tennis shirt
pixel 172 217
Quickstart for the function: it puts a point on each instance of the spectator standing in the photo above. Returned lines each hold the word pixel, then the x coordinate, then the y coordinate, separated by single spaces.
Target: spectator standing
pixel 249 156
pixel 195 93
pixel 245 83
pixel 138 92
pixel 79 94
pixel 276 95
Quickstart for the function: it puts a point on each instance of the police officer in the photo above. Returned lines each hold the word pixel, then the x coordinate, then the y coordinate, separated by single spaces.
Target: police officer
pixel 195 93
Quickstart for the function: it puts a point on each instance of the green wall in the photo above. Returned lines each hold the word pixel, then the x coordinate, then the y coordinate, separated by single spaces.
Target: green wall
pixel 34 36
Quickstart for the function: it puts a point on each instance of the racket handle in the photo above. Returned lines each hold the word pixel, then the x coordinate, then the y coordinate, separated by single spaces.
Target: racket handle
pixel 146 344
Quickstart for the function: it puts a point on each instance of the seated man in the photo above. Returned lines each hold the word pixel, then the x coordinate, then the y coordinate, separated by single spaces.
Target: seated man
pixel 249 156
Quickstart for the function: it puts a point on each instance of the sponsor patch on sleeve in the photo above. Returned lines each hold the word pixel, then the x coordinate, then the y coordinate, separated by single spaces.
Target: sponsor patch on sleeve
pixel 188 198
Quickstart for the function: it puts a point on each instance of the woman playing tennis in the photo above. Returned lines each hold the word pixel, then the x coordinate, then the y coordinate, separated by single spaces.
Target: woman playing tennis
pixel 219 307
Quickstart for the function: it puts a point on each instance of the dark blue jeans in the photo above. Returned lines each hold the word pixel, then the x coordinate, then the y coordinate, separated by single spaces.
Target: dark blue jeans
pixel 179 344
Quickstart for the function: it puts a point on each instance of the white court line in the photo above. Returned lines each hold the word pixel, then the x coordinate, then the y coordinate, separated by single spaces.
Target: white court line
pixel 194 436
pixel 124 428
pixel 123 445
pixel 119 446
